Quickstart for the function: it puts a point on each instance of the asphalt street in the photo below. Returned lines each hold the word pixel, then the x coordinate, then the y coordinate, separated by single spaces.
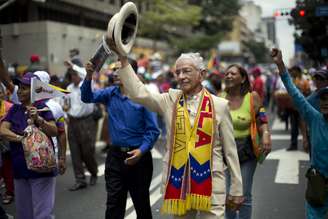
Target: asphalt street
pixel 278 190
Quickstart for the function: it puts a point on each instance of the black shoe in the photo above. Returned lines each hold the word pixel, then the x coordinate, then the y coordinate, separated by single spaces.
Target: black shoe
pixel 291 148
pixel 93 180
pixel 105 149
pixel 78 186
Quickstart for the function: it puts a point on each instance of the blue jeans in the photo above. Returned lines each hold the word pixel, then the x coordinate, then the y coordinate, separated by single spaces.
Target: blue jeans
pixel 316 213
pixel 247 173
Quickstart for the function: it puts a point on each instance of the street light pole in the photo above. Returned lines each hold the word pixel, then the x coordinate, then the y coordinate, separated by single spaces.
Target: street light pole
pixel 0 44
pixel 6 4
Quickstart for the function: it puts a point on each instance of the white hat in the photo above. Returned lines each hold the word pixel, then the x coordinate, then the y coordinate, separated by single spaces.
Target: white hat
pixel 122 28
pixel 43 76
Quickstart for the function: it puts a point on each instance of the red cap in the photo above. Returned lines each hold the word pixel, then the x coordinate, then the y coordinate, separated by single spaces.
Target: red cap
pixel 34 58
pixel 256 71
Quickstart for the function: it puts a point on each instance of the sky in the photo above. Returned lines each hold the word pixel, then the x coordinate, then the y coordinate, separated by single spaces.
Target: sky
pixel 283 29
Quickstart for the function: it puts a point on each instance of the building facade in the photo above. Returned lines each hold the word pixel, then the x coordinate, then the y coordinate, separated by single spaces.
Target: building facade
pixel 50 28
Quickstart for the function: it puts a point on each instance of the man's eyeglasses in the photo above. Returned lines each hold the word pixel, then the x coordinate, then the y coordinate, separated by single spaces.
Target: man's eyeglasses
pixel 186 71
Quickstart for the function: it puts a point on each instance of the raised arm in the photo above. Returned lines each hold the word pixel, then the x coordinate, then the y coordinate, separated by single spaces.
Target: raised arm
pixel 89 96
pixel 4 77
pixel 137 91
pixel 303 107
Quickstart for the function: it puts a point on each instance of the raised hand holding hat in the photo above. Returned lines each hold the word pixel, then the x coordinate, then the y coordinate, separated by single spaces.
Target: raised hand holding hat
pixel 122 29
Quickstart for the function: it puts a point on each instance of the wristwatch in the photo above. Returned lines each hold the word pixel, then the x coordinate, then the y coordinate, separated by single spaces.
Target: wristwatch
pixel 19 137
pixel 40 121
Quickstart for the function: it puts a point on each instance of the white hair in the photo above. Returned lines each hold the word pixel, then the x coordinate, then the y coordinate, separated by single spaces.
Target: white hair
pixel 196 59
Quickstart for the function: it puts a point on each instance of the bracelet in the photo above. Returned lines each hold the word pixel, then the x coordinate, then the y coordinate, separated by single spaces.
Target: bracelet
pixel 266 132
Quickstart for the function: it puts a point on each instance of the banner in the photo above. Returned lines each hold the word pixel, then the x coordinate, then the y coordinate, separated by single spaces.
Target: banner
pixel 42 91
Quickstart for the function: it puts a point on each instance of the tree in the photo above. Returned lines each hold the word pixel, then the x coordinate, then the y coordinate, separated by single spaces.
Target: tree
pixel 189 24
pixel 259 50
pixel 216 21
pixel 217 15
pixel 166 17
pixel 313 29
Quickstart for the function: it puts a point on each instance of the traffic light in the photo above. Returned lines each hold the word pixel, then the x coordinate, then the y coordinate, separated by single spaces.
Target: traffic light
pixel 298 13
pixel 282 12
pixel 302 12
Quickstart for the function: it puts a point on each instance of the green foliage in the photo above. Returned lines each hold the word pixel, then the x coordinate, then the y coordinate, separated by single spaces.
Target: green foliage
pixel 259 50
pixel 199 42
pixel 165 16
pixel 189 25
pixel 216 21
pixel 217 15
pixel 313 30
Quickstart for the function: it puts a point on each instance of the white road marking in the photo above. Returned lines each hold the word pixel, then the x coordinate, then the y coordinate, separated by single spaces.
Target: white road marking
pixel 101 170
pixel 154 196
pixel 156 154
pixel 278 125
pixel 283 137
pixel 288 166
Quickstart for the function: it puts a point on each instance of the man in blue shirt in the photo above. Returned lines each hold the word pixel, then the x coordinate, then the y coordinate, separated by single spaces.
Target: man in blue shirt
pixel 133 130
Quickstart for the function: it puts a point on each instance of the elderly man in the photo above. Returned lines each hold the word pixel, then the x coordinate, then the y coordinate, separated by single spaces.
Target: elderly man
pixel 201 138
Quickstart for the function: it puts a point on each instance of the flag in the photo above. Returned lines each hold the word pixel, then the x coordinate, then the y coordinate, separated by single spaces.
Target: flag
pixel 42 91
pixel 213 62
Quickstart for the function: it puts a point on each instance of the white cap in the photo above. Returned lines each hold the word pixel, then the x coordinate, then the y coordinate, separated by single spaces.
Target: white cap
pixel 141 70
pixel 43 76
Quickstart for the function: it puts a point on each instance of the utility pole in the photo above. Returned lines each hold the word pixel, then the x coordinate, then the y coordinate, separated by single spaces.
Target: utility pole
pixel 0 43
pixel 4 5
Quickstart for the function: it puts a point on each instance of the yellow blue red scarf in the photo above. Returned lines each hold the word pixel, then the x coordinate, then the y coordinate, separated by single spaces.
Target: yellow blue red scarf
pixel 189 182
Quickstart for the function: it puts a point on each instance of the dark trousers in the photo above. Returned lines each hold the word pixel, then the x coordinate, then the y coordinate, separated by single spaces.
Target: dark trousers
pixel 121 178
pixel 7 173
pixel 3 214
pixel 295 124
pixel 82 139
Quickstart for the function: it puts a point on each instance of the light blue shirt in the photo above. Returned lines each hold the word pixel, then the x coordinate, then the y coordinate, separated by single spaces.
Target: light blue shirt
pixel 313 99
pixel 316 122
